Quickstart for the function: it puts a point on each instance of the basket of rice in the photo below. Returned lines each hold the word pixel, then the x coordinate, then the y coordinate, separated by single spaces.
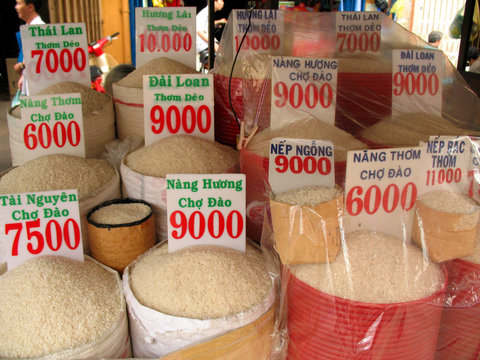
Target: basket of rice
pixel 98 121
pixel 254 162
pixel 380 300
pixel 445 224
pixel 128 94
pixel 144 170
pixel 176 300
pixel 120 230
pixel 306 224
pixel 58 308
pixel 95 180
pixel 460 327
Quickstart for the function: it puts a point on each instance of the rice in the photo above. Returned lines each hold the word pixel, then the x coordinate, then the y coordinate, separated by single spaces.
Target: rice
pixel 182 154
pixel 309 195
pixel 58 172
pixel 91 100
pixel 307 129
pixel 126 213
pixel 50 304
pixel 201 282
pixel 449 201
pixel 161 65
pixel 375 268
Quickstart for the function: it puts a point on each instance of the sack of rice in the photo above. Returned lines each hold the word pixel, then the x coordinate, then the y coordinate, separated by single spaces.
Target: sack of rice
pixel 119 231
pixel 95 180
pixel 306 225
pixel 58 308
pixel 143 171
pixel 254 162
pixel 98 121
pixel 196 294
pixel 380 300
pixel 445 224
pixel 128 94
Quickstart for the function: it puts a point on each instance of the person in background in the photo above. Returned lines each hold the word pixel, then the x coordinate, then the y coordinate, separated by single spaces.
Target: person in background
pixel 202 26
pixel 435 38
pixel 27 11
pixel 472 58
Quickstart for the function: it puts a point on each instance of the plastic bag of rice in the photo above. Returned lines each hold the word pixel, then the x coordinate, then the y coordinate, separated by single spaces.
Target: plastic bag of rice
pixel 57 308
pixel 445 224
pixel 193 295
pixel 306 224
pixel 143 171
pixel 128 94
pixel 95 180
pixel 98 121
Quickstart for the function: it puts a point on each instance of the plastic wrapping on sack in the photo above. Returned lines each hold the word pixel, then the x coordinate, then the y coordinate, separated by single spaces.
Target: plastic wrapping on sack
pixel 352 291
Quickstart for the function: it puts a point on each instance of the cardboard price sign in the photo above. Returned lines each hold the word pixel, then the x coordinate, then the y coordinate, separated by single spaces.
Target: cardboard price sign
pixel 474 169
pixel 295 163
pixel 40 224
pixel 381 189
pixel 358 32
pixel 165 32
pixel 52 124
pixel 178 104
pixel 206 209
pixel 417 77
pixel 55 53
pixel 265 34
pixel 303 86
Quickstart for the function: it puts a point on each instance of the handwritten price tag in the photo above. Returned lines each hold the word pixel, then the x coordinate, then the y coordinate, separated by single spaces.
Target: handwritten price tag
pixel 381 188
pixel 55 53
pixel 358 32
pixel 474 169
pixel 52 124
pixel 265 35
pixel 168 32
pixel 40 224
pixel 417 81
pixel 295 163
pixel 206 210
pixel 178 104
pixel 303 86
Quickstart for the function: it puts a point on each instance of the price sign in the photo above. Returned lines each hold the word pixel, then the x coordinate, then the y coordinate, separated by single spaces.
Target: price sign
pixel 40 224
pixel 303 86
pixel 417 77
pixel 55 53
pixel 358 32
pixel 474 169
pixel 265 35
pixel 165 32
pixel 295 163
pixel 206 209
pixel 446 164
pixel 178 104
pixel 52 124
pixel 381 188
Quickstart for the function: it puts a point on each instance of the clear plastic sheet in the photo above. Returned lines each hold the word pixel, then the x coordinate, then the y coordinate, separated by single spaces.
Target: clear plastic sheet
pixel 359 294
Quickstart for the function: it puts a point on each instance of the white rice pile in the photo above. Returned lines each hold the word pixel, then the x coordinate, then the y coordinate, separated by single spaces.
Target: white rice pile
pixel 375 268
pixel 50 304
pixel 201 282
pixel 307 129
pixel 161 65
pixel 182 154
pixel 58 172
pixel 91 100
pixel 125 213
pixel 449 201
pixel 309 195
pixel 410 128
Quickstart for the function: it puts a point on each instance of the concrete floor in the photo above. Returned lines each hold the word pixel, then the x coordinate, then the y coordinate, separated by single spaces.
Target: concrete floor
pixel 5 157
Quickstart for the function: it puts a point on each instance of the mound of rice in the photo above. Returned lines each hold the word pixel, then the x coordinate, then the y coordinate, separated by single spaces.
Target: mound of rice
pixel 309 195
pixel 182 154
pixel 375 268
pixel 201 282
pixel 449 201
pixel 50 304
pixel 126 213
pixel 58 172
